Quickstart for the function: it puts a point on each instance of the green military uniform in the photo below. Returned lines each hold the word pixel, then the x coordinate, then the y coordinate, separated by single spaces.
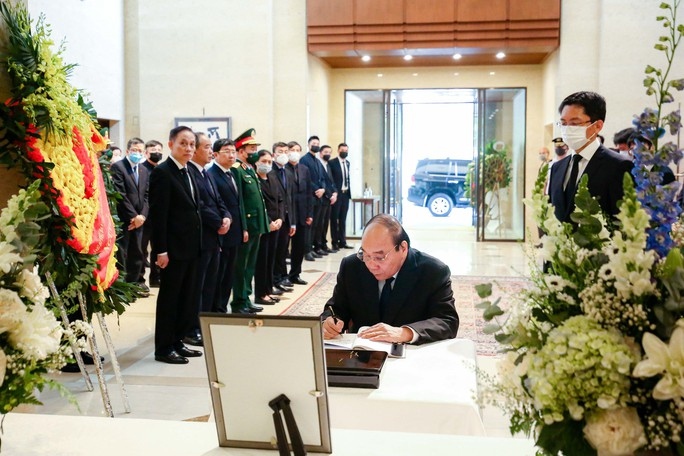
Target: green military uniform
pixel 254 221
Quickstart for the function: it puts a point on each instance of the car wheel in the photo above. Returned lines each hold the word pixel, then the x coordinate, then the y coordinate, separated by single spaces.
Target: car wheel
pixel 440 205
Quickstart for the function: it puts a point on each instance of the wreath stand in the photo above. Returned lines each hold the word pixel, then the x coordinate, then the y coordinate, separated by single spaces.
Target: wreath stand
pixel 99 370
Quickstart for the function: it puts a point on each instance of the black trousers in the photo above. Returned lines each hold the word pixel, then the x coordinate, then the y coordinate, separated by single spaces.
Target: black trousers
pixel 175 304
pixel 321 223
pixel 130 254
pixel 338 219
pixel 298 249
pixel 226 272
pixel 205 286
pixel 280 266
pixel 263 274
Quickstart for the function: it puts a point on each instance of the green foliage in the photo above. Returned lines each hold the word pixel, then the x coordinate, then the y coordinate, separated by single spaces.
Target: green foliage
pixel 565 437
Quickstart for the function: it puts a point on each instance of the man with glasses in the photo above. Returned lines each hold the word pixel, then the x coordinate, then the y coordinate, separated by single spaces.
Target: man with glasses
pixel 582 116
pixel 402 294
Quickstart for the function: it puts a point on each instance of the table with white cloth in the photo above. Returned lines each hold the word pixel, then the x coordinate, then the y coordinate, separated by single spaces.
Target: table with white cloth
pixel 60 435
pixel 431 390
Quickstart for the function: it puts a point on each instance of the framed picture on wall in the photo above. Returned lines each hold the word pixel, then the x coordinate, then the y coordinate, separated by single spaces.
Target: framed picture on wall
pixel 214 127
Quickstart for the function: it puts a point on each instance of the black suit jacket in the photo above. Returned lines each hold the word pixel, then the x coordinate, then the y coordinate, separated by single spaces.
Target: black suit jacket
pixel 274 198
pixel 175 215
pixel 421 298
pixel 318 175
pixel 336 173
pixel 134 199
pixel 212 209
pixel 302 192
pixel 288 192
pixel 231 198
pixel 605 171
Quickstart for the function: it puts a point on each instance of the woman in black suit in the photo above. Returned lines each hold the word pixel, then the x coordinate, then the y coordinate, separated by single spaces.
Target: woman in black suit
pixel 275 210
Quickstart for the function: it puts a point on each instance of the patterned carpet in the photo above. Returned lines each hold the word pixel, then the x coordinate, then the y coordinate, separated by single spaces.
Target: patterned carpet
pixel 471 322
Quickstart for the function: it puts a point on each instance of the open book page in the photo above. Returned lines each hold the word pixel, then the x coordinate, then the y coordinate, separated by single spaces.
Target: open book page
pixel 353 341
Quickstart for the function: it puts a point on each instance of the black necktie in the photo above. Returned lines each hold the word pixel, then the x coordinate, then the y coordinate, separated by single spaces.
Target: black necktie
pixel 385 297
pixel 135 174
pixel 188 182
pixel 232 180
pixel 282 178
pixel 571 188
pixel 208 182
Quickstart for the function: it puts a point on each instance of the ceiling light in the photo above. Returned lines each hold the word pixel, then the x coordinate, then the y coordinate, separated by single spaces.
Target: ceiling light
pixel 366 58
pixel 415 74
pixel 408 57
pixel 492 73
pixel 379 75
pixel 455 74
pixel 457 56
pixel 500 55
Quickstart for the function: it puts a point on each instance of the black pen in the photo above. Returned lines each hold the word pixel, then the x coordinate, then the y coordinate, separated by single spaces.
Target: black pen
pixel 332 312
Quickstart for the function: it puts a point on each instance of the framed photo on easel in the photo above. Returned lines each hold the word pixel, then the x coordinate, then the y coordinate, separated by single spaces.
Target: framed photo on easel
pixel 255 365
pixel 214 127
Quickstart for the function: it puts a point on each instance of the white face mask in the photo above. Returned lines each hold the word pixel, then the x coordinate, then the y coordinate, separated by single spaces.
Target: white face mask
pixel 293 157
pixel 263 168
pixel 575 136
pixel 281 159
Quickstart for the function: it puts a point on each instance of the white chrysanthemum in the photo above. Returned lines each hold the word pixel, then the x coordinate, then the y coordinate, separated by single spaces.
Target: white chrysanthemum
pixel 12 310
pixel 32 287
pixel 38 335
pixel 8 257
pixel 616 432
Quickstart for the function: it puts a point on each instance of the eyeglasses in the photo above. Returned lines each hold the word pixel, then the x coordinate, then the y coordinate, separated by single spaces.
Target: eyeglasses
pixel 572 124
pixel 361 255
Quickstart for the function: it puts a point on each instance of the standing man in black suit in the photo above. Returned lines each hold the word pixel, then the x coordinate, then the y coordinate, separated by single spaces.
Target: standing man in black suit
pixel 131 180
pixel 317 173
pixel 224 182
pixel 304 209
pixel 215 223
pixel 339 171
pixel 402 294
pixel 177 235
pixel 285 178
pixel 582 116
pixel 329 200
pixel 153 153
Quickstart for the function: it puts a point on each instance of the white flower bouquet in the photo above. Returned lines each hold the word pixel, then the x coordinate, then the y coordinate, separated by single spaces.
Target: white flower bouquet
pixel 32 341
pixel 594 349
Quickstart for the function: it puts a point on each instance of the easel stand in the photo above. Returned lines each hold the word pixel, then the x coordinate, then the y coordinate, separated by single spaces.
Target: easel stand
pixel 282 404
pixel 99 370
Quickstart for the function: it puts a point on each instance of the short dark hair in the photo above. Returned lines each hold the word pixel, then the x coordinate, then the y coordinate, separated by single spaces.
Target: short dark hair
pixel 179 129
pixel 153 143
pixel 311 138
pixel 636 136
pixel 341 145
pixel 594 105
pixel 291 144
pixel 623 136
pixel 325 146
pixel 392 224
pixel 221 143
pixel 263 152
pixel 133 141
pixel 278 144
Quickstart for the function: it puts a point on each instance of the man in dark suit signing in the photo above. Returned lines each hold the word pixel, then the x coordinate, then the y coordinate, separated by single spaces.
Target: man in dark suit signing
pixel 177 234
pixel 582 116
pixel 402 294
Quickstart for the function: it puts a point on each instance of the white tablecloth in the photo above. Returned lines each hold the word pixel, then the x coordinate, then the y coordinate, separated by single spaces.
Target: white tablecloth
pixel 431 390
pixel 59 435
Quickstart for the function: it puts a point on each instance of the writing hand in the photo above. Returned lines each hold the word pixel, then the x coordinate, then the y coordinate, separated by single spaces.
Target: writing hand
pixel 332 329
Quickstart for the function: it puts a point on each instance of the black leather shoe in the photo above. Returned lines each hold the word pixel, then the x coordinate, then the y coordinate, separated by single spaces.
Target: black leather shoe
pixel 188 353
pixel 299 281
pixel 320 252
pixel 286 282
pixel 347 246
pixel 242 311
pixel 196 340
pixel 267 302
pixel 284 288
pixel 154 283
pixel 253 309
pixel 88 359
pixel 70 368
pixel 277 291
pixel 334 250
pixel 309 257
pixel 171 358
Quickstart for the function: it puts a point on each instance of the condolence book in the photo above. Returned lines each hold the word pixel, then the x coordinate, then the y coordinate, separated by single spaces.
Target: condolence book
pixel 354 368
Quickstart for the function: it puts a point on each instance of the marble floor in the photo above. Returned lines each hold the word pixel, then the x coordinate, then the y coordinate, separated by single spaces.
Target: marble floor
pixel 172 392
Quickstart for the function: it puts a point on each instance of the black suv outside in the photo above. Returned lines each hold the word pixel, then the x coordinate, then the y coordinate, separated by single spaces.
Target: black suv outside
pixel 439 184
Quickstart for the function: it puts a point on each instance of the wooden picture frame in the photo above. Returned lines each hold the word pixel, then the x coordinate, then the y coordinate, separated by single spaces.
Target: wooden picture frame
pixel 214 127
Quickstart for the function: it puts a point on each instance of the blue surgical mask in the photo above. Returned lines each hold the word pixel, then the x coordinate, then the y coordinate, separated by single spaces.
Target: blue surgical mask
pixel 135 157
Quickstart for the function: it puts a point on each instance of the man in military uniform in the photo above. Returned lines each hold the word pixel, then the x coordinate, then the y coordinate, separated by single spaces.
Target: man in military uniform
pixel 254 222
